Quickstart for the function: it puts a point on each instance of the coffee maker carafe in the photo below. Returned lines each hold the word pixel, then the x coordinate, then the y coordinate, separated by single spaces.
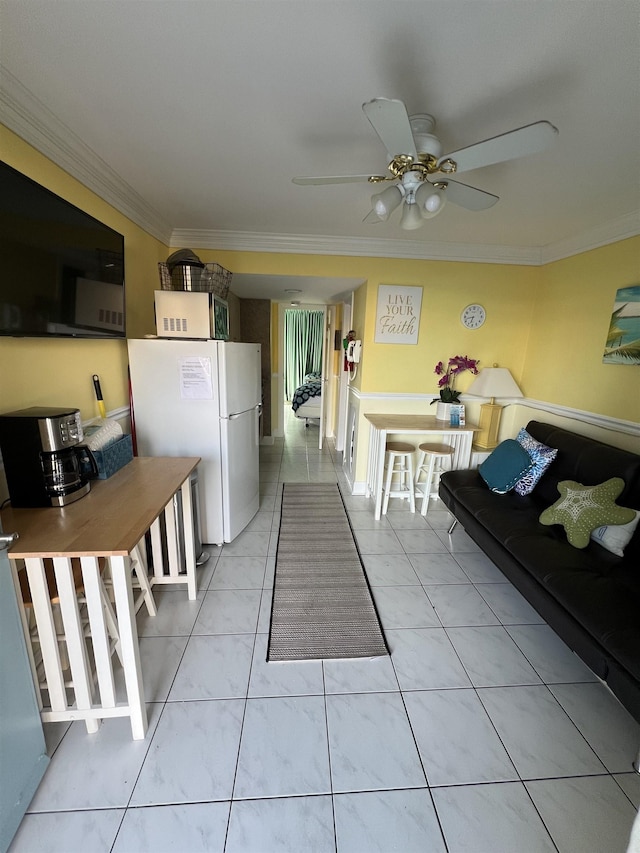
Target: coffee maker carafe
pixel 45 462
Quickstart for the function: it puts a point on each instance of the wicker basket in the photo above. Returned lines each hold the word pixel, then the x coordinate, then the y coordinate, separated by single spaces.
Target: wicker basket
pixel 165 276
pixel 211 278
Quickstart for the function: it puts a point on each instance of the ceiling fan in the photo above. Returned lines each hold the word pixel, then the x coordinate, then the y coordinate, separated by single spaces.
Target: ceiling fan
pixel 422 174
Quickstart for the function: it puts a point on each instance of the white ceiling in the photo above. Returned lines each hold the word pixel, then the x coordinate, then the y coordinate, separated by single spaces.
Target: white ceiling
pixel 194 115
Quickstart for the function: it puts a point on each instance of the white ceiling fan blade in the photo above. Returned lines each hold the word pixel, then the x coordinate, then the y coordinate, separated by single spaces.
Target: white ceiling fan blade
pixel 338 179
pixel 372 218
pixel 469 197
pixel 390 120
pixel 516 143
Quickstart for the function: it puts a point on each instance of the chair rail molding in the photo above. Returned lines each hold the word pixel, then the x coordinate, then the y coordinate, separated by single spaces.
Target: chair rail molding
pixel 592 418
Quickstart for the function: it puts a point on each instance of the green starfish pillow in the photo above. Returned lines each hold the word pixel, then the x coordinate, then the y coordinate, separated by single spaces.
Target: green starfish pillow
pixel 581 509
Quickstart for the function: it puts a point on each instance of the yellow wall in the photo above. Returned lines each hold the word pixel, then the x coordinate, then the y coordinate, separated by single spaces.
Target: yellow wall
pixel 507 295
pixel 51 372
pixel 546 324
pixel 569 329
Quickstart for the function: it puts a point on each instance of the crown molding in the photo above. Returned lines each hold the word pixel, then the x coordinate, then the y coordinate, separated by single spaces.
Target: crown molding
pixel 602 235
pixel 245 241
pixel 31 120
pixel 306 244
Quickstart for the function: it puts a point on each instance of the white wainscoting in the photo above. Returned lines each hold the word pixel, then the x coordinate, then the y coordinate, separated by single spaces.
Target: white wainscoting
pixel 517 413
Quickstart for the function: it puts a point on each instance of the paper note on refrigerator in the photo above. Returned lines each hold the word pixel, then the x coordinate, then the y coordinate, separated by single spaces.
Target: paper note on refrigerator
pixel 195 378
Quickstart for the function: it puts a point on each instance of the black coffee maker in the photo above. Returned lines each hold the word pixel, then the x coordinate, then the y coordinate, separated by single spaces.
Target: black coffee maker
pixel 45 462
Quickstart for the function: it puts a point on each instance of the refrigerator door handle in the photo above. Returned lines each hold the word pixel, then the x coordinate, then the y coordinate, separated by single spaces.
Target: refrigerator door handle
pixel 237 415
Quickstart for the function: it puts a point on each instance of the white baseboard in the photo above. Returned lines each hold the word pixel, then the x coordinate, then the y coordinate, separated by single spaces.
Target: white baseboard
pixel 359 488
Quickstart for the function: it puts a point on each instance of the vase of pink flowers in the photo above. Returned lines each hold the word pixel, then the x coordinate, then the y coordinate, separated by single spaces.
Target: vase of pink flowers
pixel 446 384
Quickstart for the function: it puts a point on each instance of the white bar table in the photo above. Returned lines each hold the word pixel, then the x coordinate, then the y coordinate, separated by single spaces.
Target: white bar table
pixel 109 522
pixel 381 426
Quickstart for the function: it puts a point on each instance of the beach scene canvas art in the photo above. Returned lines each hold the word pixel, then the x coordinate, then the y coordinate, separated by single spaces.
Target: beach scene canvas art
pixel 623 339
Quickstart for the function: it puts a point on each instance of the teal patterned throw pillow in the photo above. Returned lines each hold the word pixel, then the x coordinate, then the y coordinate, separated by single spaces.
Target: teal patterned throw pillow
pixel 505 466
pixel 541 457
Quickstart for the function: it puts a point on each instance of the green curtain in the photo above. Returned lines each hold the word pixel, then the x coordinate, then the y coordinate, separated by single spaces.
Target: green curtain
pixel 303 330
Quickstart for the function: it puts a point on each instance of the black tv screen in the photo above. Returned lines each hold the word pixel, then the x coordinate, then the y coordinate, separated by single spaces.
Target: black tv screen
pixel 61 270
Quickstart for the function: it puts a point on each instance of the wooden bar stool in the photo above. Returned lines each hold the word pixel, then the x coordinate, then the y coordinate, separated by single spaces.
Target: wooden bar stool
pixel 399 464
pixel 431 461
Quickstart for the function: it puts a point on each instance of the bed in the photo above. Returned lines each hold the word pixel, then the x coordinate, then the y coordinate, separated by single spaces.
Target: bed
pixel 306 398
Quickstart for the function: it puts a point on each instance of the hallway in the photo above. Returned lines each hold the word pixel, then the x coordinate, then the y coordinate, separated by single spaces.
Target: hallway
pixel 481 732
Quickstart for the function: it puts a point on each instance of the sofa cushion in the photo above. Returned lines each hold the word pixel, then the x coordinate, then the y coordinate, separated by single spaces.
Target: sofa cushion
pixel 541 457
pixel 601 595
pixel 580 509
pixel 586 461
pixel 502 469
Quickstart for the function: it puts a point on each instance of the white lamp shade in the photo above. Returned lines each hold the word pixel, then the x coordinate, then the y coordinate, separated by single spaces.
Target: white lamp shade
pixel 411 217
pixel 385 203
pixel 430 200
pixel 494 382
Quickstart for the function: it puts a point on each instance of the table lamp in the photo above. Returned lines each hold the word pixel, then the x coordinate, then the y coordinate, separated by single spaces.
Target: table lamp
pixel 492 382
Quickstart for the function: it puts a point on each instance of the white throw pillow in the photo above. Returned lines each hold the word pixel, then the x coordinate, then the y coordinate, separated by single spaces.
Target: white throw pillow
pixel 614 537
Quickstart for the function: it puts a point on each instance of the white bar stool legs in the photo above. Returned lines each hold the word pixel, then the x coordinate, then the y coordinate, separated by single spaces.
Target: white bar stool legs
pixel 141 575
pixel 399 464
pixel 431 463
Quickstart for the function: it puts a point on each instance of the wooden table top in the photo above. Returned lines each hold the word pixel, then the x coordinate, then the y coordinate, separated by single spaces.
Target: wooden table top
pixel 107 522
pixel 418 423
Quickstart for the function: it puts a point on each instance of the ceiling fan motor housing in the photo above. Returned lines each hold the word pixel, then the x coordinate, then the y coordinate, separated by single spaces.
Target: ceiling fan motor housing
pixel 422 126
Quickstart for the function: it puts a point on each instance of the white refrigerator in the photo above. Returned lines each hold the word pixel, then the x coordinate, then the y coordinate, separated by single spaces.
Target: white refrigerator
pixel 203 398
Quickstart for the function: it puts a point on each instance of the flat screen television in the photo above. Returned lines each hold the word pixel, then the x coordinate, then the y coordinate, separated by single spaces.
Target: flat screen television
pixel 61 270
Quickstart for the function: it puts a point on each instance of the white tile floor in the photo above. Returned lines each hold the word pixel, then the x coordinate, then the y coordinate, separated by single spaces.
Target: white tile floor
pixel 482 732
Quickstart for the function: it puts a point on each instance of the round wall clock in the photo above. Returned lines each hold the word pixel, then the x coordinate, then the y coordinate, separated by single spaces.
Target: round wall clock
pixel 473 316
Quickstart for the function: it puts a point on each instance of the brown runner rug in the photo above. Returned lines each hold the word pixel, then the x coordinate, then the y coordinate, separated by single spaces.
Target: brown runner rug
pixel 322 606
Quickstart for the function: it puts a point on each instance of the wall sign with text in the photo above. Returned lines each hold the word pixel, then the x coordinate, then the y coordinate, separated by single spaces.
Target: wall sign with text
pixel 398 314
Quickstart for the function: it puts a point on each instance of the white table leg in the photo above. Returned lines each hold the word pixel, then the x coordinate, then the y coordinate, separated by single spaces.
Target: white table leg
pixel 156 551
pixel 462 450
pixel 372 458
pixel 74 637
pixel 189 540
pixel 25 620
pixel 97 603
pixel 379 471
pixel 173 557
pixel 47 633
pixel 123 593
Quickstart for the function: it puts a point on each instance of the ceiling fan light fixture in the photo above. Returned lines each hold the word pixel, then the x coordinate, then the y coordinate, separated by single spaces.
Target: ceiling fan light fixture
pixel 411 217
pixel 430 200
pixel 385 203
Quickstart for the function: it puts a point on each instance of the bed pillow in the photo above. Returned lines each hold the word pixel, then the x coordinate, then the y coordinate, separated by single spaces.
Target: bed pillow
pixel 541 457
pixel 507 464
pixel 615 537
pixel 581 509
